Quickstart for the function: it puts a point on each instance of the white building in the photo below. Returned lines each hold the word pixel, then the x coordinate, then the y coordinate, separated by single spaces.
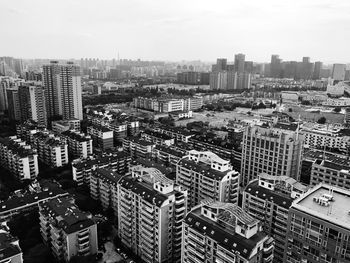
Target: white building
pixel 151 209
pixel 206 175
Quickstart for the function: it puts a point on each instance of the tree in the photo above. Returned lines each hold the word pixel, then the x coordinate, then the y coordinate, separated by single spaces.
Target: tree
pixel 322 120
pixel 337 109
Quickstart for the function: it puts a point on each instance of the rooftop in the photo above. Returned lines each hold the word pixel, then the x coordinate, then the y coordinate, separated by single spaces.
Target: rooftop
pixel 99 160
pixel 338 210
pixel 107 174
pixel 143 189
pixel 67 215
pixel 16 148
pixel 228 239
pixel 139 141
pixel 7 247
pixel 77 136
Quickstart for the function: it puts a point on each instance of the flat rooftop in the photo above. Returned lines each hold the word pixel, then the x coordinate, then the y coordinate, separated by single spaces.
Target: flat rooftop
pixel 338 210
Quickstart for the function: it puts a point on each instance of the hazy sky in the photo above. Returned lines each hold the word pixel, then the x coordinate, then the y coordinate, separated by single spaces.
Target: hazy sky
pixel 176 29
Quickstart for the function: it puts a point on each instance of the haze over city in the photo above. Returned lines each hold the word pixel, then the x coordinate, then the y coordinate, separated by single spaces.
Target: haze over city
pixel 176 30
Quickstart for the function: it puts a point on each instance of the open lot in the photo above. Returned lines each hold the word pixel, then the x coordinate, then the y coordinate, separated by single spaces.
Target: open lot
pixel 219 119
pixel 331 117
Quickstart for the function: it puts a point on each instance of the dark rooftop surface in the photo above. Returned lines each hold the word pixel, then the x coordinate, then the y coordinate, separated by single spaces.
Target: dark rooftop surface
pixel 139 141
pixel 99 127
pixel 108 175
pixel 254 189
pixel 151 163
pixel 177 130
pixel 76 136
pixel 171 150
pixel 143 189
pixel 49 191
pixel 226 238
pixel 202 168
pixel 67 215
pixel 7 249
pixel 16 147
pixel 88 163
pixel 158 134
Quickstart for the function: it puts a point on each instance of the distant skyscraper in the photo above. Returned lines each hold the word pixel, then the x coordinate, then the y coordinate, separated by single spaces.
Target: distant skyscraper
pixel 32 103
pixel 338 72
pixel 63 88
pixel 218 80
pixel 275 68
pixel 306 68
pixel 221 64
pixel 317 70
pixel 239 63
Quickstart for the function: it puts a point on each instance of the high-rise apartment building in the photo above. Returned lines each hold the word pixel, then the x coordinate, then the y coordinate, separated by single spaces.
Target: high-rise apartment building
pixel 239 63
pixel 19 158
pixel 273 150
pixel 67 230
pixel 79 144
pixel 268 199
pixel 3 95
pixel 102 137
pixel 206 176
pixel 223 232
pixel 32 103
pixel 319 226
pixel 338 72
pixel 14 107
pixel 63 89
pixel 218 80
pixel 151 209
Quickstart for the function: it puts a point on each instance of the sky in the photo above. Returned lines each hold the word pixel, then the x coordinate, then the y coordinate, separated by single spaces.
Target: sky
pixel 175 30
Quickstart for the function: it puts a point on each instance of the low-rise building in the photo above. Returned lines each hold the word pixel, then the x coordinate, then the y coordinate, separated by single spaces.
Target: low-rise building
pixel 205 175
pixel 268 199
pixel 67 230
pixel 52 150
pixel 179 134
pixel 19 158
pixel 82 168
pixel 65 125
pixel 157 138
pixel 29 200
pixel 137 147
pixel 79 144
pixel 168 155
pixel 223 232
pixel 102 137
pixel 151 209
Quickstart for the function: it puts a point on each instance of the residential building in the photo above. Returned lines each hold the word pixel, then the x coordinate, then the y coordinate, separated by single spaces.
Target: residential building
pixel 82 168
pixel 10 251
pixel 19 158
pixel 24 201
pixel 103 187
pixel 319 226
pixel 169 155
pixel 218 80
pixel 275 150
pixel 179 134
pixel 326 137
pixel 239 63
pixel 63 89
pixel 102 137
pixel 65 125
pixel 157 138
pixel 151 209
pixel 52 150
pixel 317 70
pixel 67 230
pixel 268 199
pixel 14 108
pixel 205 175
pixel 223 232
pixel 79 144
pixel 136 147
pixel 332 170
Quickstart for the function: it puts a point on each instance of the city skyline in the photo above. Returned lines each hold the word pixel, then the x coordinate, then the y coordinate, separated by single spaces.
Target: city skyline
pixel 175 31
